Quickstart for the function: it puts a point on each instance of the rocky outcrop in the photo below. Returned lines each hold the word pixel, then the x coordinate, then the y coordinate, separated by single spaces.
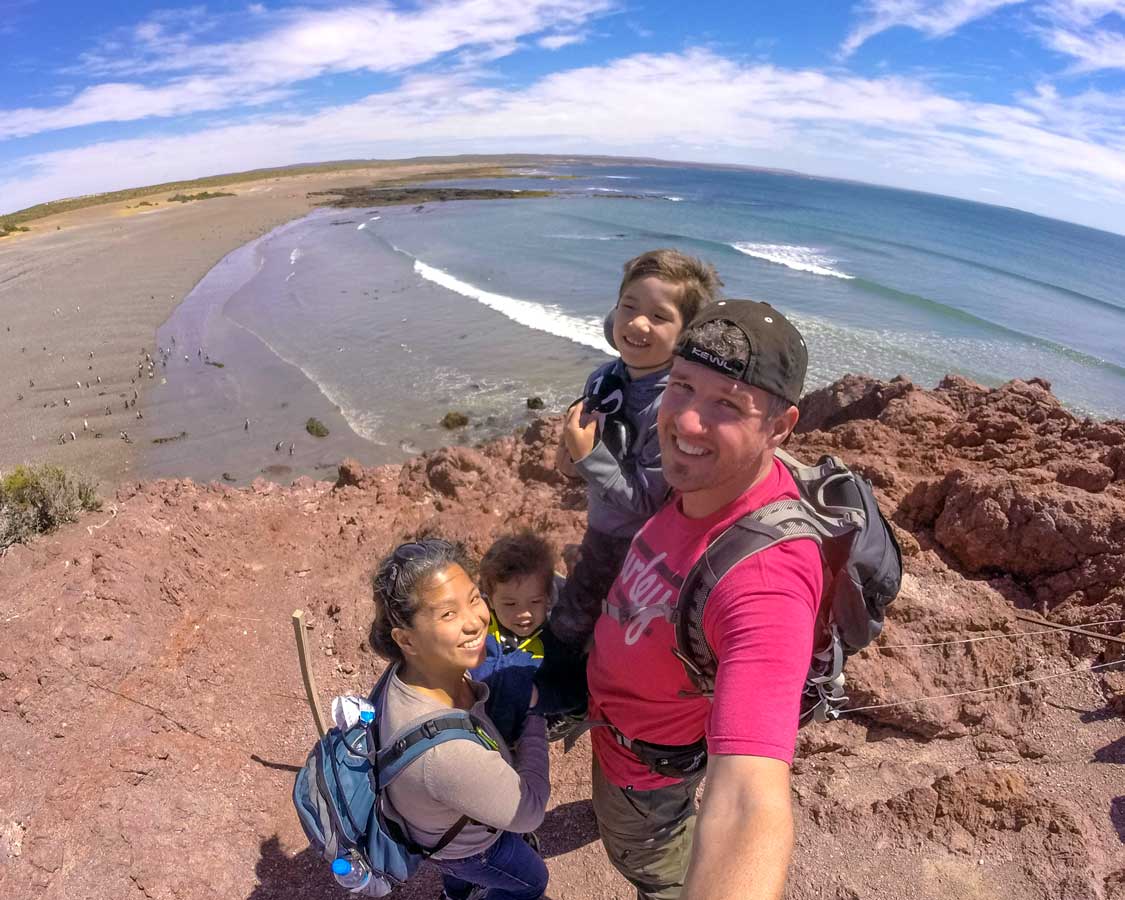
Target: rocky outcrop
pixel 151 708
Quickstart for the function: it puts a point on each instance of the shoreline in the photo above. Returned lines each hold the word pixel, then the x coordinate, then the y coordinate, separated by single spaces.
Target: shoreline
pixel 103 280
pixel 234 396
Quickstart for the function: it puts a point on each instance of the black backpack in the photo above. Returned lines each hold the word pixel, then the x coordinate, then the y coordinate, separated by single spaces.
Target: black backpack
pixel 862 575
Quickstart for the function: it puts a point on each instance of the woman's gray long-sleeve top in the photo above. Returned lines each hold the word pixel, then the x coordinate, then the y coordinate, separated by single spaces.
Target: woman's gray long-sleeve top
pixel 505 790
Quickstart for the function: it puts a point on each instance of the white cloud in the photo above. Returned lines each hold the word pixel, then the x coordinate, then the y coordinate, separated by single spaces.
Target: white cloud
pixel 375 37
pixel 123 102
pixel 558 41
pixel 1088 31
pixel 934 18
pixel 891 130
pixel 1084 30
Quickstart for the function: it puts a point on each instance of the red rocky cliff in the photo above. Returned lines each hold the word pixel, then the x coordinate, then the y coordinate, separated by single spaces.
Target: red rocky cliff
pixel 152 710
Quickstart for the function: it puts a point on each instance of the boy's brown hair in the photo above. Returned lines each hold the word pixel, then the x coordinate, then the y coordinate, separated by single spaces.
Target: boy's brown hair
pixel 698 281
pixel 516 555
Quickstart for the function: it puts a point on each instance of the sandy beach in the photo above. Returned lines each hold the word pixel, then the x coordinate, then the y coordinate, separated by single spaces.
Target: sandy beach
pixel 84 292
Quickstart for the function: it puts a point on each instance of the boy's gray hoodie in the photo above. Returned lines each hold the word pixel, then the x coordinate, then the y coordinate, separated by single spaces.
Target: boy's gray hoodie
pixel 624 493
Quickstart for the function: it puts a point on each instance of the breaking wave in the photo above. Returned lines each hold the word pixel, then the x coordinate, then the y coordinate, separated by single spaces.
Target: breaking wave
pixel 539 316
pixel 803 259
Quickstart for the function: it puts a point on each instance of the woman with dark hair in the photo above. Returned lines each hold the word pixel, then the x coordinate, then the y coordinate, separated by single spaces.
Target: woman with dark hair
pixel 431 624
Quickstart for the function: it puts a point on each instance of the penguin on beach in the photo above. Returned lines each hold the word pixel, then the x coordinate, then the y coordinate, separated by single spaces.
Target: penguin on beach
pixel 246 427
pixel 277 446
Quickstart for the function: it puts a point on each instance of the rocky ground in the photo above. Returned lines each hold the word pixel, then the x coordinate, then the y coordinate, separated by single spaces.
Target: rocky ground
pixel 151 710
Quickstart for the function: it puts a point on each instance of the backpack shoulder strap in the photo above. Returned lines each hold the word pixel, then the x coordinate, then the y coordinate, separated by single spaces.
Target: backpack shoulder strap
pixel 387 763
pixel 391 760
pixel 775 523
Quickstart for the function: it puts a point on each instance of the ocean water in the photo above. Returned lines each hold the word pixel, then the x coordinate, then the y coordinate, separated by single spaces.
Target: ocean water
pixel 397 315
pixel 880 281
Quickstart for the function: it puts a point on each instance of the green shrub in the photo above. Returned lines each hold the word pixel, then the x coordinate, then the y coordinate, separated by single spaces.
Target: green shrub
pixel 316 428
pixel 38 499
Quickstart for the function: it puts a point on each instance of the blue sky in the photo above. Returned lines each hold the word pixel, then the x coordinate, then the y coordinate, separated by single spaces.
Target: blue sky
pixel 1017 102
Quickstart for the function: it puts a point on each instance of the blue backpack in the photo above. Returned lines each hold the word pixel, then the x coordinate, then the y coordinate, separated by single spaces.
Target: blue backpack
pixel 338 792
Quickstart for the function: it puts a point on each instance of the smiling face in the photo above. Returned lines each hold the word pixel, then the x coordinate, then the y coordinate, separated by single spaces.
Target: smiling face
pixel 647 323
pixel 450 625
pixel 520 603
pixel 716 440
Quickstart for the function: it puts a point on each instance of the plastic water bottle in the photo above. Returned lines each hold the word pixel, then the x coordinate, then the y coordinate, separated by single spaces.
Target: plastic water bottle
pixel 351 873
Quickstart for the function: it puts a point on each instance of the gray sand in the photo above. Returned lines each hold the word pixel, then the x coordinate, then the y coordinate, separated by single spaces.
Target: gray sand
pixel 102 280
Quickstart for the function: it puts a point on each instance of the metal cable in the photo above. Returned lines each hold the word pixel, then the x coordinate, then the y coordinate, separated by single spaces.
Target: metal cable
pixel 995 687
pixel 988 637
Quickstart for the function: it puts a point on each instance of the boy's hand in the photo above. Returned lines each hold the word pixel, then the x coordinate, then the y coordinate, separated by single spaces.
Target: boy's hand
pixel 580 432
pixel 563 462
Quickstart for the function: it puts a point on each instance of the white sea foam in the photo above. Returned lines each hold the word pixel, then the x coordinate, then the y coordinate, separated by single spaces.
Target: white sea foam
pixel 606 190
pixel 803 259
pixel 363 422
pixel 541 317
pixel 587 237
pixel 673 198
pixel 620 177
pixel 290 275
pixel 361 226
pixel 374 219
pixel 294 256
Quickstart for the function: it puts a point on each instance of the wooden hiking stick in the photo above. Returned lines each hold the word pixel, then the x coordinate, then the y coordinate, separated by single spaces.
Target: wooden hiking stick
pixel 306 671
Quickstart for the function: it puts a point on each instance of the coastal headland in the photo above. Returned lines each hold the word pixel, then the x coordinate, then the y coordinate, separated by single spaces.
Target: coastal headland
pixel 152 714
pixel 83 291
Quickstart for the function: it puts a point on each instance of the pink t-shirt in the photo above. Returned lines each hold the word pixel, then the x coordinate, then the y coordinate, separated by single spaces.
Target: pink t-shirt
pixel 759 619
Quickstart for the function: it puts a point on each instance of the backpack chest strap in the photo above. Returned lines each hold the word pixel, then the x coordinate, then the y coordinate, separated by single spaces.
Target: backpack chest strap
pixel 390 761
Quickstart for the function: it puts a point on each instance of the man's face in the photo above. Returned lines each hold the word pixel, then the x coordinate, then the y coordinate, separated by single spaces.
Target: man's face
pixel 715 441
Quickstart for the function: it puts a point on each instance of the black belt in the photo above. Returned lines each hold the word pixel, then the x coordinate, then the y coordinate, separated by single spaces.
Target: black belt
pixel 680 761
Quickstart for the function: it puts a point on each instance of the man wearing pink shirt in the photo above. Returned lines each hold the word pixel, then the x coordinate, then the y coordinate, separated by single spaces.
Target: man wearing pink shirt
pixel 730 402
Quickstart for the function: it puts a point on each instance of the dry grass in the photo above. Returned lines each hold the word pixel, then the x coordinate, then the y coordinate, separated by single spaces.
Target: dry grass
pixel 38 499
pixel 444 168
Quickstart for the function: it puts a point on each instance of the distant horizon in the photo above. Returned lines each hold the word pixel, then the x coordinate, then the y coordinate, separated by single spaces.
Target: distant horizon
pixel 560 159
pixel 1014 103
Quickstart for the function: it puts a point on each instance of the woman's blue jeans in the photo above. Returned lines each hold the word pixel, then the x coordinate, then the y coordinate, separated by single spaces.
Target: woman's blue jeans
pixel 509 870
